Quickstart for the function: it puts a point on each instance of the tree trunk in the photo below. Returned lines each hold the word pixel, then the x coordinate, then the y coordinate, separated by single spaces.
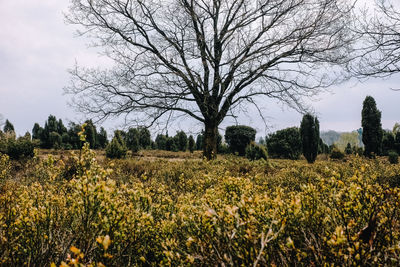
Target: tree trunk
pixel 210 140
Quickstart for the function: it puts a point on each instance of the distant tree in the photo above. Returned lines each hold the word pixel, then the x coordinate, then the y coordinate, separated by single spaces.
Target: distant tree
pixel 161 142
pixel 238 137
pixel 348 150
pixel 132 139
pixel 372 127
pixel 309 132
pixel 37 131
pixel 8 127
pixel 171 144
pixel 200 141
pixel 61 129
pixel 191 144
pixel 388 142
pixel 285 143
pixel 322 147
pixel 182 140
pixel 54 140
pixel 91 133
pixel 102 139
pixel 74 139
pixel 345 138
pixel 144 138
pixel 397 142
pixel 117 147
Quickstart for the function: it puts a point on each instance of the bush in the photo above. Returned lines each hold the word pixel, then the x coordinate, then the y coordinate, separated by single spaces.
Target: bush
pixel 132 139
pixel 16 149
pixel 285 143
pixel 117 148
pixel 336 153
pixel 191 144
pixel 256 152
pixel 238 137
pixel 393 157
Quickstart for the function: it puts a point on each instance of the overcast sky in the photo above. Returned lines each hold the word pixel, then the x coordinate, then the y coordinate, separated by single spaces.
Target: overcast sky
pixel 37 48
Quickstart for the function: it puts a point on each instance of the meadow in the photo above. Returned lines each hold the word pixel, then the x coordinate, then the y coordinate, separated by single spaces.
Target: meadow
pixel 176 209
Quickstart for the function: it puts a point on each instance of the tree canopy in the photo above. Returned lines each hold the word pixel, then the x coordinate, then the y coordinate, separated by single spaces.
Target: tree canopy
pixel 207 58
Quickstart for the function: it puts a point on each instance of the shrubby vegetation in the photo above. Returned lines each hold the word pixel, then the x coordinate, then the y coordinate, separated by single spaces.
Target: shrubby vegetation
pixel 285 144
pixel 239 137
pixel 225 212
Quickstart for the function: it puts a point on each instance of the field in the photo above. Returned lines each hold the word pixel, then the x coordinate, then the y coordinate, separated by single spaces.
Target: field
pixel 159 208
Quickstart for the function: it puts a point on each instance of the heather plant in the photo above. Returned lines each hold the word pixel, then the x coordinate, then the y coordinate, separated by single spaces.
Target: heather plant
pixel 231 211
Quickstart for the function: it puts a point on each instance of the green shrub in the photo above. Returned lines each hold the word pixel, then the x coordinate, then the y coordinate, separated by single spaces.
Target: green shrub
pixel 285 143
pixel 336 153
pixel 393 157
pixel 238 137
pixel 117 148
pixel 256 152
pixel 16 149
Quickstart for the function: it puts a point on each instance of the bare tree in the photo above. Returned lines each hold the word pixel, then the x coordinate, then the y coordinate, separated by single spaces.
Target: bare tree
pixel 205 58
pixel 379 49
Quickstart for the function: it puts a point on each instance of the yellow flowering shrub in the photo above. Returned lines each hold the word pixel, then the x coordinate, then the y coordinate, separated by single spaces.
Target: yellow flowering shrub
pixel 77 212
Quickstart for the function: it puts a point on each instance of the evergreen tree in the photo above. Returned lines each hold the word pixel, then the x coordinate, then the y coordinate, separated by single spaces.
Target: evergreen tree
pixel 91 133
pixel 285 143
pixel 200 141
pixel 8 127
pixel 348 150
pixel 144 138
pixel 161 142
pixel 182 140
pixel 132 139
pixel 191 144
pixel 102 140
pixel 372 128
pixel 309 132
pixel 117 147
pixel 37 131
pixel 239 137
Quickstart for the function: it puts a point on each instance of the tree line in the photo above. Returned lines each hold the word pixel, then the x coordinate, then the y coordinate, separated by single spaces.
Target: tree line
pixel 289 143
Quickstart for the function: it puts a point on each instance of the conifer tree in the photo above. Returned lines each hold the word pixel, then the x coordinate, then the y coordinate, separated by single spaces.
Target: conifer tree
pixel 191 144
pixel 372 128
pixel 309 132
pixel 8 127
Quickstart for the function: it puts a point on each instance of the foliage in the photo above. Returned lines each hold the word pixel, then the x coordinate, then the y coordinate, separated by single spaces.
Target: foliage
pixel 144 138
pixel 91 133
pixel 309 132
pixel 138 212
pixel 8 127
pixel 285 143
pixel 191 144
pixel 161 142
pixel 102 139
pixel 348 150
pixel 182 140
pixel 393 157
pixel 132 139
pixel 200 141
pixel 372 127
pixel 336 153
pixel 348 138
pixel 388 142
pixel 16 148
pixel 238 137
pixel 256 152
pixel 116 149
